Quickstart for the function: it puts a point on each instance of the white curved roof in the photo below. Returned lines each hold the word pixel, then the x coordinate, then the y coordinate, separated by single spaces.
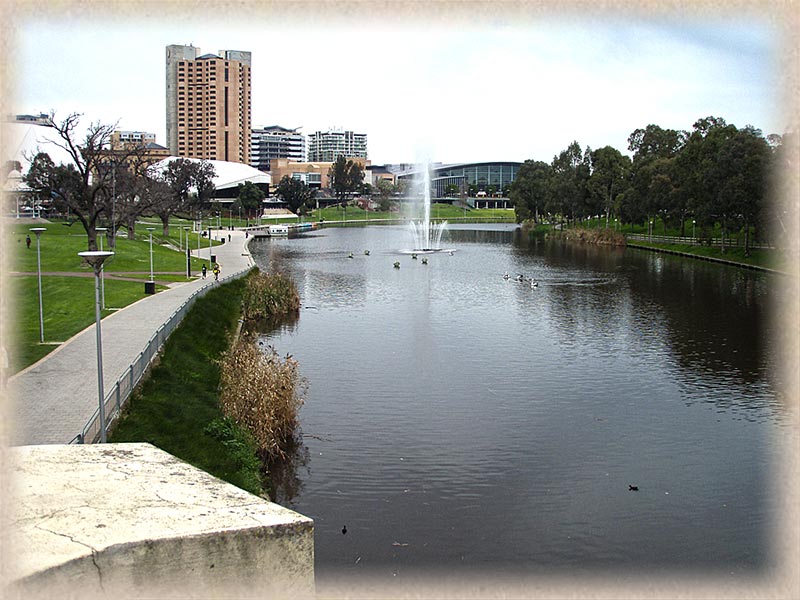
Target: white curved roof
pixel 228 174
pixel 22 141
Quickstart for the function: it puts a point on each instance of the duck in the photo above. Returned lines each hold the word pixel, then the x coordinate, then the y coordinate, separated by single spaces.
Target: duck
pixel 534 283
pixel 505 276
pixel 350 255
pixel 633 488
pixel 366 252
pixel 397 264
pixel 344 530
pixel 424 261
pixel 520 277
pixel 414 256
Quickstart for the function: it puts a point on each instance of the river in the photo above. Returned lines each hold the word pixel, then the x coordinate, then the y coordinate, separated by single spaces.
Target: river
pixel 458 422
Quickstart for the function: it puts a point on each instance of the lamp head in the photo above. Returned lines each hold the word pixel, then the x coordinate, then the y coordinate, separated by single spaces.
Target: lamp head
pixel 95 257
pixel 38 230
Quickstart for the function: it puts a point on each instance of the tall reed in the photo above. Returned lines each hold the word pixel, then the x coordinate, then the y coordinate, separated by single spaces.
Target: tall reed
pixel 269 295
pixel 263 393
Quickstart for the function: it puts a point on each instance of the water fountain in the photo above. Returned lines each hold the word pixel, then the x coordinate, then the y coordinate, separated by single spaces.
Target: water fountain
pixel 427 236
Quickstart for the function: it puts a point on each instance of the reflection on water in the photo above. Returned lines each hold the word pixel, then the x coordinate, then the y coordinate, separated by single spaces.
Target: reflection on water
pixel 457 420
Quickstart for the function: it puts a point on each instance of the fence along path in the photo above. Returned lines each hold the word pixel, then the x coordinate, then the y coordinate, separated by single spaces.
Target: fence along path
pixel 55 401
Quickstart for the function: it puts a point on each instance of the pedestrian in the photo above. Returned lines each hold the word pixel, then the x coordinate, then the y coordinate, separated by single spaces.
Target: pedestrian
pixel 216 272
pixel 229 237
pixel 28 241
pixel 204 270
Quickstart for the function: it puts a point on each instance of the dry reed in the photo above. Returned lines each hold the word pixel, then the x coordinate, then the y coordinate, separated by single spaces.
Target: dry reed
pixel 269 295
pixel 263 393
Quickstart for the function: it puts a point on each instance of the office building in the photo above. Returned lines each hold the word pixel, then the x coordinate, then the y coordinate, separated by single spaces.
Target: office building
pixel 327 146
pixel 208 104
pixel 274 142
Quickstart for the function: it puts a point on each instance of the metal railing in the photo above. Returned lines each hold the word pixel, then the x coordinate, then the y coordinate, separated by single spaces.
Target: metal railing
pixel 730 242
pixel 122 390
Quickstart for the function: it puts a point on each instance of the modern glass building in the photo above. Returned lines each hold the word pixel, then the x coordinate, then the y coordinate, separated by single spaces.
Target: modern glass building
pixel 484 175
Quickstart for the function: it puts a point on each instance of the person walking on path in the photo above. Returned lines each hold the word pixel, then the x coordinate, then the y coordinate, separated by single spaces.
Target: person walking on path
pixel 216 272
pixel 204 271
pixel 28 241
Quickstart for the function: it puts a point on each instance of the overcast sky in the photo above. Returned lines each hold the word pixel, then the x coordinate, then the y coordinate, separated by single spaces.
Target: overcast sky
pixel 499 86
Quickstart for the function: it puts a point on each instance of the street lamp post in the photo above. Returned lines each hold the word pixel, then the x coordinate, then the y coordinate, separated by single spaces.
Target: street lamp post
pixel 151 229
pixel 694 239
pixel 188 254
pixel 102 230
pixel 38 231
pixel 96 259
pixel 209 244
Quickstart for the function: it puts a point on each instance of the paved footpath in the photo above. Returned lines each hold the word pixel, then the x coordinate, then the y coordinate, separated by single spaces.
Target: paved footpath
pixel 53 399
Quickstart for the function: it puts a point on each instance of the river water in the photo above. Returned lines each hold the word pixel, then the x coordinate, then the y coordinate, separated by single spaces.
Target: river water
pixel 459 422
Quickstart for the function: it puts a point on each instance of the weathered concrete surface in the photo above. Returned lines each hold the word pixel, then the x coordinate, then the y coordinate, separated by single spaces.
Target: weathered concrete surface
pixel 129 520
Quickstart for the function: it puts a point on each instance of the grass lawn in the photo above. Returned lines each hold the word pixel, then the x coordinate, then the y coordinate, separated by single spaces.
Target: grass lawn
pixel 68 308
pixel 60 246
pixel 176 404
pixel 769 259
pixel 68 302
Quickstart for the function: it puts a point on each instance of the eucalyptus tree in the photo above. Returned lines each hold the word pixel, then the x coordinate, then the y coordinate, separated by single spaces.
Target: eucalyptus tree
pixel 346 177
pixel 610 170
pixel 568 184
pixel 190 184
pixel 296 193
pixel 530 190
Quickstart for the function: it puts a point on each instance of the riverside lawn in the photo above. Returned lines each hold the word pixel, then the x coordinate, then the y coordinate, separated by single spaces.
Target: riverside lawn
pixel 68 292
pixel 177 408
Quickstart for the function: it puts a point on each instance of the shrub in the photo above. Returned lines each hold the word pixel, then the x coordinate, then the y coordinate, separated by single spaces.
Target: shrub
pixel 262 393
pixel 269 295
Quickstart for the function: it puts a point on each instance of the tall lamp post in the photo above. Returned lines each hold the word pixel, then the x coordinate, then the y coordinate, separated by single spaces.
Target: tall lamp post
pixel 151 229
pixel 96 259
pixel 38 231
pixel 188 254
pixel 101 231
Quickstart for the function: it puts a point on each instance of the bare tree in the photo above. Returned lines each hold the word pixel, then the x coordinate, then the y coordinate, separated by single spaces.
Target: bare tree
pixel 98 184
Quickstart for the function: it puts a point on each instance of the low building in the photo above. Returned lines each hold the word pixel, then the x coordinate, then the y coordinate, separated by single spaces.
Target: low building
pixel 228 176
pixel 327 146
pixel 483 176
pixel 314 174
pixel 273 142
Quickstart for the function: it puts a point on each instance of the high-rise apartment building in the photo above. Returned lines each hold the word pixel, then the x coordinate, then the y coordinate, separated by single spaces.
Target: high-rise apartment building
pixel 208 104
pixel 327 146
pixel 274 142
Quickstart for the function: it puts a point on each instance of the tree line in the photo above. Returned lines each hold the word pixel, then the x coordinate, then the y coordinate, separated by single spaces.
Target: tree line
pixel 113 187
pixel 715 175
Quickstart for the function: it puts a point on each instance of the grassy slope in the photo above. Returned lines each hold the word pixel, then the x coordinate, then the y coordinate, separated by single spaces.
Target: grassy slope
pixel 179 400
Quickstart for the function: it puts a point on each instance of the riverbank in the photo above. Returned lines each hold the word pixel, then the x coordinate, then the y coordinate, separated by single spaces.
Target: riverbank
pixel 177 407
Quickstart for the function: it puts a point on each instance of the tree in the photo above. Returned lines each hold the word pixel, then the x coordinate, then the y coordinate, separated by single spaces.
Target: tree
pixel 84 184
pixel 610 171
pixel 530 189
pixel 654 142
pixel 182 177
pixel 568 184
pixel 296 193
pixel 345 177
pixel 250 197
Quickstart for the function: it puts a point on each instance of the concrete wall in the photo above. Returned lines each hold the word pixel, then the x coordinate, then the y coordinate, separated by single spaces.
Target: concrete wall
pixel 129 520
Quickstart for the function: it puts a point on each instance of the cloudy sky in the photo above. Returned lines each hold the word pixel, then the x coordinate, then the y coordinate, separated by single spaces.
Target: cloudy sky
pixel 459 86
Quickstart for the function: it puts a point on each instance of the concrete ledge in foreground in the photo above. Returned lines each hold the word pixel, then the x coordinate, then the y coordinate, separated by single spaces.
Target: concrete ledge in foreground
pixel 129 520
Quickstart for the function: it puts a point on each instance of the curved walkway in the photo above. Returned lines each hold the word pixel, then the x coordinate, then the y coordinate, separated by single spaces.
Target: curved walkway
pixel 52 400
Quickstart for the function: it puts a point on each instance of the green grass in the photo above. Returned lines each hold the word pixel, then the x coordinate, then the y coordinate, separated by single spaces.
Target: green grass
pixel 60 246
pixel 438 211
pixel 68 308
pixel 68 302
pixel 177 408
pixel 769 259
